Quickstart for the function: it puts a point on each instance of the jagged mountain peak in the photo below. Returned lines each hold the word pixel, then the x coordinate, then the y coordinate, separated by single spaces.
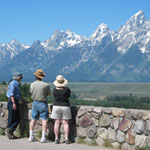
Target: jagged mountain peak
pixel 69 31
pixel 14 41
pixel 36 42
pixel 10 50
pixel 103 31
pixel 37 45
pixel 72 34
pixel 56 33
pixel 63 34
pixel 14 44
pixel 136 20
pixel 107 53
pixel 103 28
pixel 133 32
pixel 11 43
pixel 62 39
pixel 139 13
pixel 138 16
pixel 133 23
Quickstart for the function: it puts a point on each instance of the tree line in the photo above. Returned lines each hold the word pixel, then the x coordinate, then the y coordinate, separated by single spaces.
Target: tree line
pixel 129 101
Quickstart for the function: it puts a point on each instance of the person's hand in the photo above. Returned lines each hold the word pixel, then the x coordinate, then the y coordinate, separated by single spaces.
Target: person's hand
pixel 14 106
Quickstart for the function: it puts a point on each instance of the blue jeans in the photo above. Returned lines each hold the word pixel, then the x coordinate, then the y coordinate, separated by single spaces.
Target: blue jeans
pixel 13 115
pixel 40 109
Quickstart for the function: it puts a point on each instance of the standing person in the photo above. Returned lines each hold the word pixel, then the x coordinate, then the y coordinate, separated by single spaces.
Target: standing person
pixel 39 91
pixel 14 95
pixel 61 109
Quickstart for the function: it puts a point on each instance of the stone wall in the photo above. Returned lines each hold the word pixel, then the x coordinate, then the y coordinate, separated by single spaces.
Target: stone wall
pixel 124 129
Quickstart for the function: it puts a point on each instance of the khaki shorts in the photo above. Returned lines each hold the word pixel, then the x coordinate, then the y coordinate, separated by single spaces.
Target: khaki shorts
pixel 61 112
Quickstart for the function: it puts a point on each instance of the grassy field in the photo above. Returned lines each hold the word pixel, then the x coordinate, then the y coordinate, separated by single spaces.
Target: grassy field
pixel 100 90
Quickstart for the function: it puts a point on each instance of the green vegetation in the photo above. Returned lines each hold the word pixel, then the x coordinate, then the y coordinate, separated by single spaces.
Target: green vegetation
pixel 3 97
pixel 2 131
pixel 80 140
pixel 39 134
pixel 144 148
pixel 106 94
pixel 3 88
pixel 107 143
pixel 93 143
pixel 4 83
pixel 130 102
pixel 25 92
pixel 98 90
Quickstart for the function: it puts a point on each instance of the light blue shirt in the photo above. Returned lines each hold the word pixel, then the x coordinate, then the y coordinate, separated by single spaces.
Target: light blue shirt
pixel 14 90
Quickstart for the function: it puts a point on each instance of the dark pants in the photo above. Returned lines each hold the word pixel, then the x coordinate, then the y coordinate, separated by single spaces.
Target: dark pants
pixel 13 115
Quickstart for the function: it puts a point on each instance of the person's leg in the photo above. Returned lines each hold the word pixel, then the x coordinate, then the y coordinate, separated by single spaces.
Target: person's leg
pixel 44 115
pixel 56 115
pixel 32 124
pixel 16 118
pixel 57 128
pixel 66 128
pixel 31 136
pixel 10 115
pixel 44 127
pixel 35 117
pixel 66 117
pixel 10 120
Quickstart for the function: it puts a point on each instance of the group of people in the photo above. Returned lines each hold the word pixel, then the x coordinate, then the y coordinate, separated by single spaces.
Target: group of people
pixel 39 91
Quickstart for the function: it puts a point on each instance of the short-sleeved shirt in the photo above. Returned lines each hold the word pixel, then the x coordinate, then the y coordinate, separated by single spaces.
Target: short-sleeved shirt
pixel 61 96
pixel 13 90
pixel 39 90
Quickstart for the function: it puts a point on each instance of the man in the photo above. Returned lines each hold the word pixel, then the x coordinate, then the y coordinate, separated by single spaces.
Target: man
pixel 39 91
pixel 14 95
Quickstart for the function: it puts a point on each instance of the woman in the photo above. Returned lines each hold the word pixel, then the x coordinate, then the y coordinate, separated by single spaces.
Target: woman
pixel 61 108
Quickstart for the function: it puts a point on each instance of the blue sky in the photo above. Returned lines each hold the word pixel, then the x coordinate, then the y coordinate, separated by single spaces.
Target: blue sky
pixel 29 20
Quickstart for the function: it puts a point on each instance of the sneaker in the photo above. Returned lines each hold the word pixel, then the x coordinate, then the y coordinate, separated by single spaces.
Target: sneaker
pixel 67 141
pixel 32 139
pixel 9 133
pixel 43 140
pixel 57 141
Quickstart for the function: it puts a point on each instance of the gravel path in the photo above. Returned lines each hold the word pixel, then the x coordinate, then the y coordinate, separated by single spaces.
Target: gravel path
pixel 23 144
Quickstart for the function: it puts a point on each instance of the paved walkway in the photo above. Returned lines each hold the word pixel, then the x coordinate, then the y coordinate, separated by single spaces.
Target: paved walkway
pixel 23 144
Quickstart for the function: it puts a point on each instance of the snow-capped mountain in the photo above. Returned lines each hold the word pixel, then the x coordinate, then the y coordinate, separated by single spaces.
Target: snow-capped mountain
pixel 10 50
pixel 61 39
pixel 106 56
pixel 102 31
pixel 135 31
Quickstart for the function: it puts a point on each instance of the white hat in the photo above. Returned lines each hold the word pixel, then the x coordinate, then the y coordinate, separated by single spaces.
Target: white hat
pixel 17 75
pixel 60 81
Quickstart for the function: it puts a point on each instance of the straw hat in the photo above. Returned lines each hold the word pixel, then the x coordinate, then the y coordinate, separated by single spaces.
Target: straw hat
pixel 60 81
pixel 39 73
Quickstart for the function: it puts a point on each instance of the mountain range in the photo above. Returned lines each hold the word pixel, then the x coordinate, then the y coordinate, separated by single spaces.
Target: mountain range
pixel 105 56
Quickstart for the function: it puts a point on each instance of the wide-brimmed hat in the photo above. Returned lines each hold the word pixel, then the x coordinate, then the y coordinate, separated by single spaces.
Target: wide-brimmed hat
pixel 39 73
pixel 60 81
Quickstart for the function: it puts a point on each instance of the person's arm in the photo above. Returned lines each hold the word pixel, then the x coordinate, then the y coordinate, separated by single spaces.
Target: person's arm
pixel 11 94
pixel 13 101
